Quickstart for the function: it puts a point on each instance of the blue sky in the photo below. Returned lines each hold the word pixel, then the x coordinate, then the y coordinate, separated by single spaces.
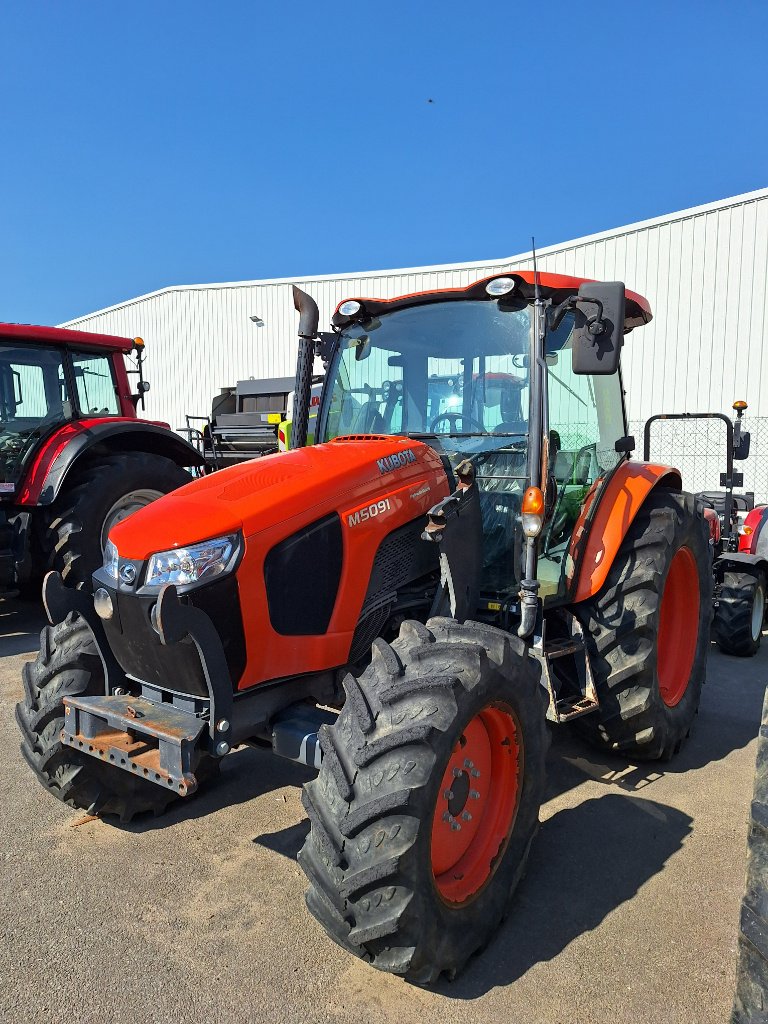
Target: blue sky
pixel 146 144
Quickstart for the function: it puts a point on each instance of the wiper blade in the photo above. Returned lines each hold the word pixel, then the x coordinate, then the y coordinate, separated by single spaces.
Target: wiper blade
pixel 481 433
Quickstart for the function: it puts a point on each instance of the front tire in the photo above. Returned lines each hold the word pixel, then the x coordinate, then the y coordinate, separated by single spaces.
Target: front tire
pixel 68 665
pixel 647 631
pixel 428 798
pixel 739 616
pixel 103 493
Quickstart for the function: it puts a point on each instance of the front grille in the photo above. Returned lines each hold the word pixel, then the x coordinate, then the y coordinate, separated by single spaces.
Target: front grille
pixel 402 556
pixel 176 667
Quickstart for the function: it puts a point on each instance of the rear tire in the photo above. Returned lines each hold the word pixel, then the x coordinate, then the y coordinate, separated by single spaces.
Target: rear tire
pixel 68 665
pixel 97 497
pixel 738 619
pixel 428 798
pixel 647 631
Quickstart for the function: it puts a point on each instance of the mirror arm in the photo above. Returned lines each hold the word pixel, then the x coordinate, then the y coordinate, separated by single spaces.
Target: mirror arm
pixel 555 316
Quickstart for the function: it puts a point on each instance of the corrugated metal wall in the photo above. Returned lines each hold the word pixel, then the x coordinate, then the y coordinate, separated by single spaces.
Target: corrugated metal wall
pixel 704 271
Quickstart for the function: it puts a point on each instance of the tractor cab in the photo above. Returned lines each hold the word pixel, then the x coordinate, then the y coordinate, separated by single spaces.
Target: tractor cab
pixel 459 371
pixel 48 378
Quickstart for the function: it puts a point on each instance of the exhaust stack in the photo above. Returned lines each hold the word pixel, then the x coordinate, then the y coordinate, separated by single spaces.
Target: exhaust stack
pixel 309 317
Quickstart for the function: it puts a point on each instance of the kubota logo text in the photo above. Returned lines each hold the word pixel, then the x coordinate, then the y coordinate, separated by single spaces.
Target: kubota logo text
pixel 364 514
pixel 390 462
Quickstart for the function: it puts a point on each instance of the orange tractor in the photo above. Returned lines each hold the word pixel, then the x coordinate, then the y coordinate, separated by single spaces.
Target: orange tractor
pixel 403 607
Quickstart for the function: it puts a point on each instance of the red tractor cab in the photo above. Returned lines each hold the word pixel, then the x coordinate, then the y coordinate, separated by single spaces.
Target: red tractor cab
pixel 74 457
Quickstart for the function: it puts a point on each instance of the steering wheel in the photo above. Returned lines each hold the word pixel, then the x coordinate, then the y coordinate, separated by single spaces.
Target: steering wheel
pixel 453 418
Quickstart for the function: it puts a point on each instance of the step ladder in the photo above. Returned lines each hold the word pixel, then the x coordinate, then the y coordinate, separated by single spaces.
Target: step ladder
pixel 573 705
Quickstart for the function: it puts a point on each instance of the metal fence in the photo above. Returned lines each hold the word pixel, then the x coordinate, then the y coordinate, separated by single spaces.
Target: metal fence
pixel 698 449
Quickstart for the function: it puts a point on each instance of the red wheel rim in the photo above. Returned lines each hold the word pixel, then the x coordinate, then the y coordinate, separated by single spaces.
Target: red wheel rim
pixel 678 627
pixel 477 803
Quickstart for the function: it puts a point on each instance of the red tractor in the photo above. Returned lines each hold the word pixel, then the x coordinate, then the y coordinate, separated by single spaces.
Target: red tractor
pixel 738 538
pixel 404 608
pixel 74 458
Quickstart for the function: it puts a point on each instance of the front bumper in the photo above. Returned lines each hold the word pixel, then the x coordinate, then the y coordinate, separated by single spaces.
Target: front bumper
pixel 156 742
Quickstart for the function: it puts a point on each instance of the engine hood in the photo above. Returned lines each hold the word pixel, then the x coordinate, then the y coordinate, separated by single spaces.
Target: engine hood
pixel 256 495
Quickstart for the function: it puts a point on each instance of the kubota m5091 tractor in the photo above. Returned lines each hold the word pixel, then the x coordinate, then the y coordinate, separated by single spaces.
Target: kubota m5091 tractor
pixel 74 457
pixel 402 607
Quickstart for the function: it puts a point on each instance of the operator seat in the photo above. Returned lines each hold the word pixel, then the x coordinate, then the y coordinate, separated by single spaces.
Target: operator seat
pixel 368 420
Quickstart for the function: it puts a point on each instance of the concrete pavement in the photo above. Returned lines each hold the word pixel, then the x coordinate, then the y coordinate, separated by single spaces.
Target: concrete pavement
pixel 628 913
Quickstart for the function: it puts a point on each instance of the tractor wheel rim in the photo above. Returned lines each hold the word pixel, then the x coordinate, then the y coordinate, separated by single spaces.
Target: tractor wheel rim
pixel 678 627
pixel 477 803
pixel 758 612
pixel 126 506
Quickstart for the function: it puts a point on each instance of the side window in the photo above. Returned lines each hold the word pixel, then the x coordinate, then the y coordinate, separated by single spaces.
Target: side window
pixel 367 396
pixel 28 390
pixel 585 421
pixel 585 414
pixel 95 384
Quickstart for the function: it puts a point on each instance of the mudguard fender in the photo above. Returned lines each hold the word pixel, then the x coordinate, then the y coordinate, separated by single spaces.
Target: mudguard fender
pixel 61 450
pixel 608 512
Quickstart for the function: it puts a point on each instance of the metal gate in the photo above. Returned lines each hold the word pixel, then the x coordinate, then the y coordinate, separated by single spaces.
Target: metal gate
pixel 699 449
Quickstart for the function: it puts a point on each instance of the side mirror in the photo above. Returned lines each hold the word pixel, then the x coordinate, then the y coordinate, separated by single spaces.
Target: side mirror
pixel 599 327
pixel 741 448
pixel 142 387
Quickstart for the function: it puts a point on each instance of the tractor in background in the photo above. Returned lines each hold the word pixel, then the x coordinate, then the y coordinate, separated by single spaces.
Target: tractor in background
pixel 465 554
pixel 75 459
pixel 738 540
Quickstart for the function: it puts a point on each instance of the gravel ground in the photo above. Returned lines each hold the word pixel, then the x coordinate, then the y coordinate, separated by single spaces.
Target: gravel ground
pixel 628 913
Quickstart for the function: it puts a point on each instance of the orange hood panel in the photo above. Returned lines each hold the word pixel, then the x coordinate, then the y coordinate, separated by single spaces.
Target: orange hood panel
pixel 257 495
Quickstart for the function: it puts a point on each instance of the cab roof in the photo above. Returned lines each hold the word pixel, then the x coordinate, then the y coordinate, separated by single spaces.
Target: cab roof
pixel 63 336
pixel 554 286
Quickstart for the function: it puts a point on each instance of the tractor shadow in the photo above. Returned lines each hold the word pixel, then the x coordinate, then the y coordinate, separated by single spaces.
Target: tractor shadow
pixel 20 626
pixel 585 862
pixel 246 774
pixel 728 719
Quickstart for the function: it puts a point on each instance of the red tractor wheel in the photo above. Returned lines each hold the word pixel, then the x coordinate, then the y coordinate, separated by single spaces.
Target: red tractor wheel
pixel 647 631
pixel 101 494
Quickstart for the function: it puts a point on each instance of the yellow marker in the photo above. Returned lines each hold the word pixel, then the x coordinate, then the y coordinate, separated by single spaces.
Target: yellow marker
pixel 274 417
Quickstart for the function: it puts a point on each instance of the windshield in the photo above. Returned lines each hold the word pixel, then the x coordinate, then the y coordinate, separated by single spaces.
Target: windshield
pixel 451 369
pixel 456 375
pixel 33 397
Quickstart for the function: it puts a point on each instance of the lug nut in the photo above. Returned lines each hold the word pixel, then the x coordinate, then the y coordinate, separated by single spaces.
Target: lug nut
pixel 222 748
pixel 447 816
pixel 475 773
pixel 474 795
pixel 466 816
pixel 468 763
pixel 455 826
pixel 222 725
pixel 457 773
pixel 448 794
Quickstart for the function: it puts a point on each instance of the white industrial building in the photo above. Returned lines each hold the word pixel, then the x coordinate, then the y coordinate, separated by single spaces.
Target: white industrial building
pixel 704 270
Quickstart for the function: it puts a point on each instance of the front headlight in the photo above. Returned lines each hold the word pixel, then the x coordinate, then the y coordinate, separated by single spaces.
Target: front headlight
pixel 192 564
pixel 111 559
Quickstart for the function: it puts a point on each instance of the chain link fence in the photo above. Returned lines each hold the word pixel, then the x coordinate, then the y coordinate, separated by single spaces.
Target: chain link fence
pixel 698 449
